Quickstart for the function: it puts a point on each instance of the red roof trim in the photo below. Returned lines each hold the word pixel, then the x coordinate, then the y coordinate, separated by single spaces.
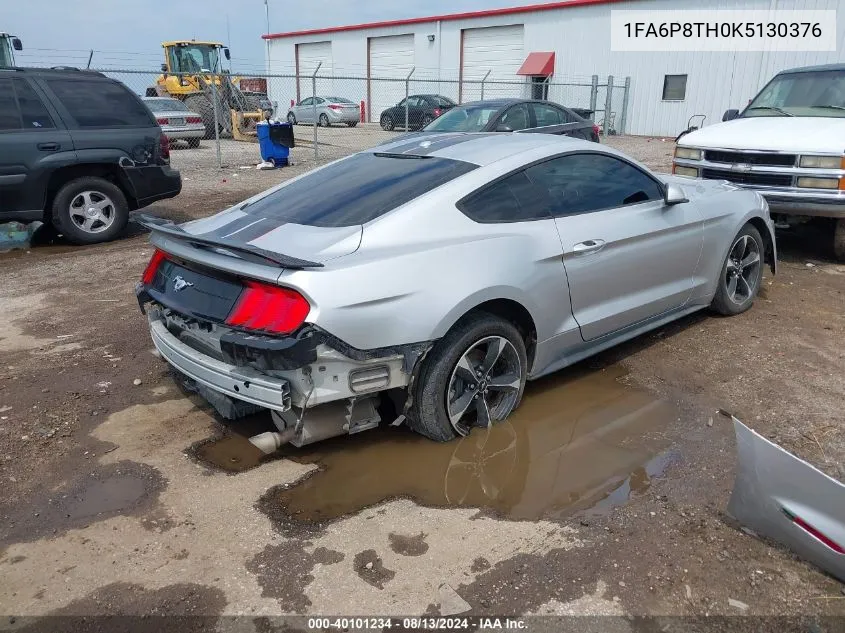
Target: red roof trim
pixel 443 18
pixel 538 65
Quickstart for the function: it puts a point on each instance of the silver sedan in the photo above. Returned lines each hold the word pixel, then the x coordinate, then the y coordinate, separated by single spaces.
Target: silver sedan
pixel 327 110
pixel 176 121
pixel 439 274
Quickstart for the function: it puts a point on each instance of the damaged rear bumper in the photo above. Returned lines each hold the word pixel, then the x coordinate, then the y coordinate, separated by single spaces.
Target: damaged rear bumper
pixel 241 383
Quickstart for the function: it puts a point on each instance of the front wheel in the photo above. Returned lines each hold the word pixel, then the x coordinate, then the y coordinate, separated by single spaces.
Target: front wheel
pixel 291 118
pixel 474 376
pixel 741 273
pixel 839 240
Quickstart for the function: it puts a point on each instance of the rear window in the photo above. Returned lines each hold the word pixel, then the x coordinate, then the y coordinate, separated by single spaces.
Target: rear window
pixel 442 101
pixel 357 190
pixel 100 103
pixel 165 105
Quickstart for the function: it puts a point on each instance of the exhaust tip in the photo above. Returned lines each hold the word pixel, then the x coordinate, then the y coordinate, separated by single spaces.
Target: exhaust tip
pixel 270 441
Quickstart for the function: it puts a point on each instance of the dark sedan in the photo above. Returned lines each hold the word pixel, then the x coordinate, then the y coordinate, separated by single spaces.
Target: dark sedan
pixel 421 109
pixel 515 115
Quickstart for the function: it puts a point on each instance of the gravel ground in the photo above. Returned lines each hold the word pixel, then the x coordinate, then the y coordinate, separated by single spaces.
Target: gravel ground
pixel 107 508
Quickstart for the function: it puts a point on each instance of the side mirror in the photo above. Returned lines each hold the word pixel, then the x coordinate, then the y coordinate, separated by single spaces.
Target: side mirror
pixel 164 68
pixel 503 128
pixel 227 54
pixel 730 115
pixel 674 195
pixel 16 44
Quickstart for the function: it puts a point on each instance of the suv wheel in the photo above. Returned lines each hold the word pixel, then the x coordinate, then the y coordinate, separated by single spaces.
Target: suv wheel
pixel 474 376
pixel 90 210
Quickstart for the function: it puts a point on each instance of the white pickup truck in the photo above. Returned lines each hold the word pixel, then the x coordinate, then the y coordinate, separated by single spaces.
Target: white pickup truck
pixel 788 144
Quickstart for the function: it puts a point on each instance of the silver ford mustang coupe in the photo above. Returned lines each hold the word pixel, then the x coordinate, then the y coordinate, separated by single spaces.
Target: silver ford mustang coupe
pixel 427 279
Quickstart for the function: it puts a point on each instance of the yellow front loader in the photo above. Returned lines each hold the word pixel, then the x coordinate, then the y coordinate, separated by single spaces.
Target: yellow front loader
pixel 192 72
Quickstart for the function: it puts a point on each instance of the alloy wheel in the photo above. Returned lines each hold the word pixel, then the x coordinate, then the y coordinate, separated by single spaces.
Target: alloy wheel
pixel 484 385
pixel 742 269
pixel 92 211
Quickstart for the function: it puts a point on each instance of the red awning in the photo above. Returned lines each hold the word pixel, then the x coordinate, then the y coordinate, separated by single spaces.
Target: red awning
pixel 538 64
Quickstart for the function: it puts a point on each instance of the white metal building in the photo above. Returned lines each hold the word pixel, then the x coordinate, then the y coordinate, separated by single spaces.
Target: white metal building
pixel 570 42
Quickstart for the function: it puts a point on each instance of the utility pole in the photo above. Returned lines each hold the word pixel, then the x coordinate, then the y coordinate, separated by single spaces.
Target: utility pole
pixel 267 42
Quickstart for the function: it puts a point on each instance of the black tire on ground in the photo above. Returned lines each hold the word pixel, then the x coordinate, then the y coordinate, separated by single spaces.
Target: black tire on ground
pixel 324 121
pixel 427 414
pixel 426 120
pixel 291 118
pixel 193 142
pixel 352 123
pixel 839 240
pixel 387 123
pixel 65 224
pixel 202 106
pixel 722 302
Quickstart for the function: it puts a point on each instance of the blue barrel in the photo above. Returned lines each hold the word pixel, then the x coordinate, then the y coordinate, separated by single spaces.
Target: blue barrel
pixel 274 141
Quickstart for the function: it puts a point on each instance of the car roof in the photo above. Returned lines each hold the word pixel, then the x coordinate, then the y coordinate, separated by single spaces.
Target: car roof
pixel 813 69
pixel 480 148
pixel 64 71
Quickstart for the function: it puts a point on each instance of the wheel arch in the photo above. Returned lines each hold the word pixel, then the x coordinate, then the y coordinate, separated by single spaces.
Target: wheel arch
pixel 108 171
pixel 768 240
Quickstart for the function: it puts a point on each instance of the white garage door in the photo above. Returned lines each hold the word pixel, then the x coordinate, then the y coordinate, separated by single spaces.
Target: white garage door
pixel 391 57
pixel 310 55
pixel 498 49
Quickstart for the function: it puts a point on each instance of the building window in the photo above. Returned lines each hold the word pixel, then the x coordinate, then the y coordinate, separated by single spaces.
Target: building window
pixel 674 87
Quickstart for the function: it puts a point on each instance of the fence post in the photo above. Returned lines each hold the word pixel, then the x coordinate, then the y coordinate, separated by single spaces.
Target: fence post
pixel 214 101
pixel 608 104
pixel 624 118
pixel 487 74
pixel 407 89
pixel 314 107
pixel 594 94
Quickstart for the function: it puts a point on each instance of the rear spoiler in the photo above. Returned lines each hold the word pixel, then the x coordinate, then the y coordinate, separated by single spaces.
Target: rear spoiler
pixel 167 227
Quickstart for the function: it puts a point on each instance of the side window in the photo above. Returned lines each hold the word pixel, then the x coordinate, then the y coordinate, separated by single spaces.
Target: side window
pixel 512 199
pixel 33 111
pixel 416 102
pixel 579 183
pixel 401 104
pixel 306 102
pixel 547 115
pixel 101 103
pixel 319 100
pixel 516 117
pixel 10 116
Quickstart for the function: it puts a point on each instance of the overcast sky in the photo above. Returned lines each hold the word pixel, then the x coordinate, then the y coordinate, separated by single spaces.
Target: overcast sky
pixel 128 33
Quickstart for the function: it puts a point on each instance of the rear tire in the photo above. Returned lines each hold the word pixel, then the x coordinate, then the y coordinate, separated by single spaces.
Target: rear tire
pixel 428 414
pixel 387 123
pixel 324 121
pixel 741 273
pixel 203 107
pixel 839 240
pixel 426 120
pixel 193 143
pixel 71 204
pixel 352 123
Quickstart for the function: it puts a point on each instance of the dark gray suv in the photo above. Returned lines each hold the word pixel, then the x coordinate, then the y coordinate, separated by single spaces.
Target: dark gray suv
pixel 78 150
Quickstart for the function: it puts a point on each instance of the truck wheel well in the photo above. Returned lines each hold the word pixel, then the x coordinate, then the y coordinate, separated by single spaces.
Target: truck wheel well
pixel 112 173
pixel 515 313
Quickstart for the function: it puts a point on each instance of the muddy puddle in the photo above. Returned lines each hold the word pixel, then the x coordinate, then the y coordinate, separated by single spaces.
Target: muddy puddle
pixel 581 441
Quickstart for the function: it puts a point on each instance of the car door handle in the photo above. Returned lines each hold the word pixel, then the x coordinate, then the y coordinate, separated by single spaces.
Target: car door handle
pixel 588 246
pixel 49 147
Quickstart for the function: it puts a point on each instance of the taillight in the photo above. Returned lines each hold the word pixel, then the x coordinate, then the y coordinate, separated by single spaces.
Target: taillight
pixel 269 309
pixel 334 106
pixel 151 269
pixel 596 130
pixel 827 541
pixel 164 144
pixel 163 121
pixel 437 112
pixel 193 119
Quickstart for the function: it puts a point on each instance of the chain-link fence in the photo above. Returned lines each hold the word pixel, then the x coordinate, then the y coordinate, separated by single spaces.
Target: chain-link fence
pixel 334 116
